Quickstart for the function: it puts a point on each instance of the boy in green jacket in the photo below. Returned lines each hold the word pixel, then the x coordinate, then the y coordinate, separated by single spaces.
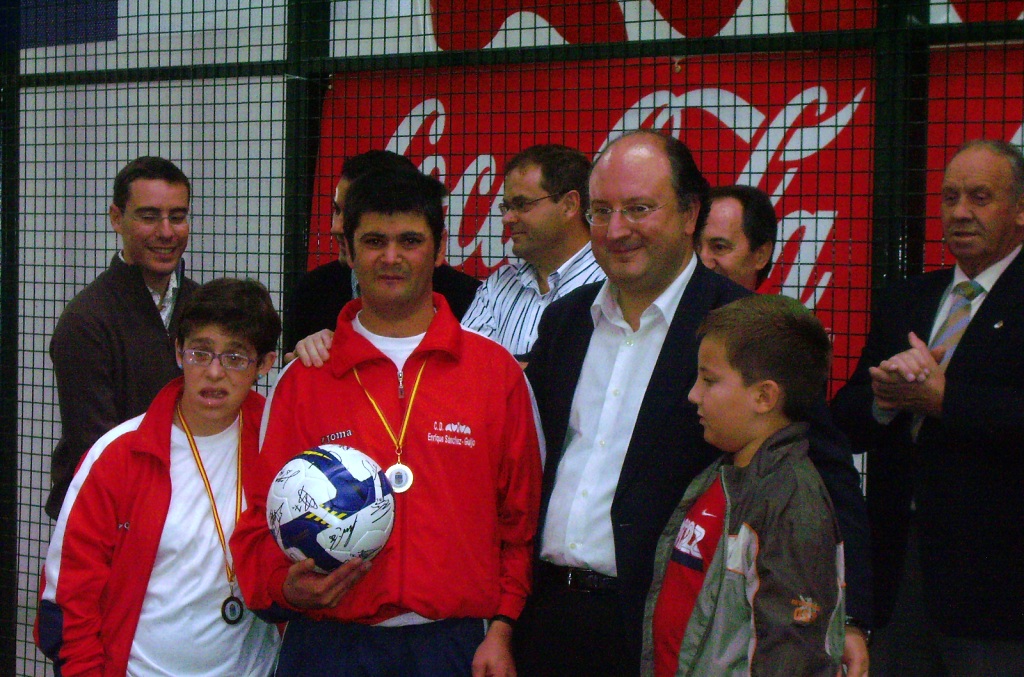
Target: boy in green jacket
pixel 749 570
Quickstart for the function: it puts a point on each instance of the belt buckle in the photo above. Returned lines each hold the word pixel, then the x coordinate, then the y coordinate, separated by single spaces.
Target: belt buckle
pixel 576 580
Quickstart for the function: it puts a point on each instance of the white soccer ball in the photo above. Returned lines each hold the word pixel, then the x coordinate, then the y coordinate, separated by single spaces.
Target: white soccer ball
pixel 331 503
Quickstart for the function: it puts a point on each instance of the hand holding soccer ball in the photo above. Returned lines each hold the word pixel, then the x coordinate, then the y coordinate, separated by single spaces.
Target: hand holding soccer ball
pixel 306 588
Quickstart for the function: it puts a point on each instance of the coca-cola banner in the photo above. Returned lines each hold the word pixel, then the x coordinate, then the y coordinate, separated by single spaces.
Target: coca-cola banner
pixel 974 93
pixel 798 127
pixel 974 11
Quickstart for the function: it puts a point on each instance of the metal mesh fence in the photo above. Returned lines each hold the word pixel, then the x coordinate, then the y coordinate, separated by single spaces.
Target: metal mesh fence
pixel 844 112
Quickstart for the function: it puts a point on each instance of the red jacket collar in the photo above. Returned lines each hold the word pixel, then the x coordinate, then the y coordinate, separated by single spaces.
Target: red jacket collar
pixel 153 436
pixel 349 349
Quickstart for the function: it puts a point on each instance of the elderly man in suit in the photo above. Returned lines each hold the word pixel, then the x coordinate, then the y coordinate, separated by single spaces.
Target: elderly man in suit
pixel 945 429
pixel 611 369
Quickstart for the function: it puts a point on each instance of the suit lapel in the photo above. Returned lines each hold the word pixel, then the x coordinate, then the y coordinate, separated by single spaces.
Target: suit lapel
pixel 574 352
pixel 926 305
pixel 674 373
pixel 573 339
pixel 1002 300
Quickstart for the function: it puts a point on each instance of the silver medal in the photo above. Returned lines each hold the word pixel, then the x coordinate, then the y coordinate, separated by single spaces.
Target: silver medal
pixel 400 476
pixel 231 610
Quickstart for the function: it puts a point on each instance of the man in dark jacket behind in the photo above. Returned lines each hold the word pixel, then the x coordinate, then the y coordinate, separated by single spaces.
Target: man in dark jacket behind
pixel 112 349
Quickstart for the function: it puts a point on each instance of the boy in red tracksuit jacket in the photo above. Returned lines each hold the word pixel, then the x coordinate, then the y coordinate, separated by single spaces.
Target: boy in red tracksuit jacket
pixel 138 577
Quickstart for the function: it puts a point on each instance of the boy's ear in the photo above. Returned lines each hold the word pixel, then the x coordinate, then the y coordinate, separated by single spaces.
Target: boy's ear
pixel 266 363
pixel 116 215
pixel 177 353
pixel 768 396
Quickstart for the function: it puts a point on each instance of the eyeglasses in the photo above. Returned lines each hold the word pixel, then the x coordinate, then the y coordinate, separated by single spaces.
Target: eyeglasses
pixel 155 218
pixel 602 216
pixel 521 205
pixel 204 358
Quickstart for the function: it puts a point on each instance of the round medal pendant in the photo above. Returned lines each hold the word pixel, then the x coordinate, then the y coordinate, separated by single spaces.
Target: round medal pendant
pixel 400 476
pixel 231 610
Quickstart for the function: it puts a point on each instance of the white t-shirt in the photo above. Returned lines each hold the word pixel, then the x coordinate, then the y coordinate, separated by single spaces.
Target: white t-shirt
pixel 397 350
pixel 181 631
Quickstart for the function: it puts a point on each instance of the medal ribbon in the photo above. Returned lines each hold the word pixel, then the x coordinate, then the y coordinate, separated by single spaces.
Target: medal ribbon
pixel 399 441
pixel 228 569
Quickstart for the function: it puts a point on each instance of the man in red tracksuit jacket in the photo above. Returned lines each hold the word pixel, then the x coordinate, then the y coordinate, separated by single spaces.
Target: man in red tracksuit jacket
pixel 408 386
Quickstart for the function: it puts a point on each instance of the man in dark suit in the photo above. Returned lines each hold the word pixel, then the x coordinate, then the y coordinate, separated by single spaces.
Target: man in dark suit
pixel 321 293
pixel 611 370
pixel 945 430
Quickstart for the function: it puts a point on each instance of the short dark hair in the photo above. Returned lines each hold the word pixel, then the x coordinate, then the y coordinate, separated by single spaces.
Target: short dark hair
pixel 775 338
pixel 242 308
pixel 388 192
pixel 147 167
pixel 375 161
pixel 687 180
pixel 760 224
pixel 562 169
pixel 1012 154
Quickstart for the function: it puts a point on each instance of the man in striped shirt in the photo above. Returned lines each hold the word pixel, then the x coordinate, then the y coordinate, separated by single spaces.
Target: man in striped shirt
pixel 543 206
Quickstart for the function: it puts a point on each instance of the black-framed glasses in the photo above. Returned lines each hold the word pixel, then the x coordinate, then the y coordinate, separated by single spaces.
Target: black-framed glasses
pixel 520 205
pixel 204 358
pixel 602 216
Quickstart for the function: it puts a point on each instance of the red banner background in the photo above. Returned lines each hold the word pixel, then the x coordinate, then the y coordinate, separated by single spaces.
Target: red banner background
pixel 974 93
pixel 798 127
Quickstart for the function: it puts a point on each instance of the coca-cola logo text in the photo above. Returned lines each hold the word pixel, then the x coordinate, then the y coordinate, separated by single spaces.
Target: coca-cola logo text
pixel 797 127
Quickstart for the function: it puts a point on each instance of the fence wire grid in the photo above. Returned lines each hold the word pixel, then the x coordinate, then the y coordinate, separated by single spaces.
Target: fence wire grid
pixel 844 112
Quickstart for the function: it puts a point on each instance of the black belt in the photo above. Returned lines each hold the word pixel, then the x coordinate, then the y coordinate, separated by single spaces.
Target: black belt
pixel 552 576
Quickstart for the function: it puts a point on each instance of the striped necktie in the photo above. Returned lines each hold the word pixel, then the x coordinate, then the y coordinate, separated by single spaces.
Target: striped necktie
pixel 959 317
pixel 951 330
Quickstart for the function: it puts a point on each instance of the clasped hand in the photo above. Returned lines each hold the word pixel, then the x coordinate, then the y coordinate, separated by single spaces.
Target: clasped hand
pixel 912 380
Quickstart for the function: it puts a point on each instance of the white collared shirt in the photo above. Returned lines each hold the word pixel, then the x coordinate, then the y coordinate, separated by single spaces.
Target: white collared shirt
pixel 612 385
pixel 164 302
pixel 508 306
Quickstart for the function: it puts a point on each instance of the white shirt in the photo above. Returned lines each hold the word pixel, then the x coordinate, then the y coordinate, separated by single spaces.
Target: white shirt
pixel 397 350
pixel 164 301
pixel 612 385
pixel 180 630
pixel 508 305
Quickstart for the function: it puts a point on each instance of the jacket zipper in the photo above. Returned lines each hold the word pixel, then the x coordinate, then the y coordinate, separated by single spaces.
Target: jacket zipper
pixel 401 386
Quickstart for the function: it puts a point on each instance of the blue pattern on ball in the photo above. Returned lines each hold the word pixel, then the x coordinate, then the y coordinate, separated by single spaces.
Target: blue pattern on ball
pixel 301 533
pixel 352 494
pixel 332 531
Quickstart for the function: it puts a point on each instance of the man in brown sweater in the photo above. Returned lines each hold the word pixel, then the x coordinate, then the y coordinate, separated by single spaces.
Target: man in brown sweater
pixel 112 350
